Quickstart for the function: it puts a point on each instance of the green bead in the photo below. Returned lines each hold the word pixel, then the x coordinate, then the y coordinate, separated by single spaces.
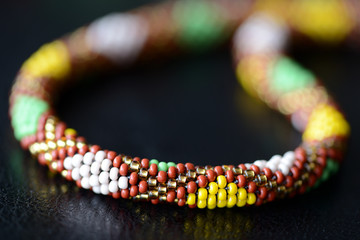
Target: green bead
pixel 25 115
pixel 286 76
pixel 199 22
pixel 171 164
pixel 154 161
pixel 163 166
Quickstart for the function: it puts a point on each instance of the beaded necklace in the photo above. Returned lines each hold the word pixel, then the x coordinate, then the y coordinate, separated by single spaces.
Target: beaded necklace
pixel 260 32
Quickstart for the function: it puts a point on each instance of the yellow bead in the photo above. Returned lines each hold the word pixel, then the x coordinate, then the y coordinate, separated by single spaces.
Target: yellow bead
pixel 191 200
pixel 221 181
pixel 201 203
pixel 202 193
pixel 241 202
pixel 242 194
pixel 211 206
pixel 222 194
pixel 213 188
pixel 251 198
pixel 231 201
pixel 232 188
pixel 221 203
pixel 70 132
pixel 211 200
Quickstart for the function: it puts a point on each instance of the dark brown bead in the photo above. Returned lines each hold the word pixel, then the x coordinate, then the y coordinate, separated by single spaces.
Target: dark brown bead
pixel 172 172
pixel 295 172
pixel 153 169
pixel 181 202
pixel 123 169
pixel 191 187
pixel 111 155
pixel 251 187
pixel 219 171
pixel 133 178
pixel 241 181
pixel 230 176
pixel 189 166
pixel 210 174
pixel 255 168
pixel 117 161
pixel 268 173
pixel 202 181
pixel 181 168
pixel 262 192
pixel 279 177
pixel 145 163
pixel 94 149
pixel 143 186
pixel 134 190
pixel 289 181
pixel 162 176
pixel 180 192
pixel 170 196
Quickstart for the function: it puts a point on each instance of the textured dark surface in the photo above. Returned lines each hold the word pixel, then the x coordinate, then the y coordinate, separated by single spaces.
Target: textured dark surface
pixel 191 109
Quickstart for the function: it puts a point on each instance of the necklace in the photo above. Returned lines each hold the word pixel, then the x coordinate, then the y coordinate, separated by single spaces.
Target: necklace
pixel 260 33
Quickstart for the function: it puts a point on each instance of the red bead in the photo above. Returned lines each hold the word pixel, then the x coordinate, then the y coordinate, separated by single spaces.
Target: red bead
pixel 202 181
pixel 40 136
pixel 322 152
pixel 289 181
pixel 155 201
pixel 189 166
pixel 255 168
pixel 181 192
pixel 251 187
pixel 111 155
pixel 318 171
pixel 219 171
pixel 268 173
pixel 143 186
pixel 180 167
pixel 78 183
pixel 54 154
pixel 295 172
pixel 125 193
pixel 62 153
pixel 133 190
pixel 191 187
pixel 192 206
pixel 60 165
pixel 258 202
pixel 71 151
pixel 299 164
pixel 117 161
pixel 263 192
pixel 271 196
pixel 300 154
pixel 162 176
pixel 170 196
pixel 279 177
pixel 68 175
pixel 229 176
pixel 181 202
pixel 145 163
pixel 242 166
pixel 153 169
pixel 133 178
pixel 172 172
pixel 321 160
pixel 41 159
pixel 94 149
pixel 84 149
pixel 210 174
pixel 241 181
pixel 312 180
pixel 116 195
pixel 123 169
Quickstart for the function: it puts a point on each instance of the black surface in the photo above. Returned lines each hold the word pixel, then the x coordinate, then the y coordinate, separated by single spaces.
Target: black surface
pixel 191 109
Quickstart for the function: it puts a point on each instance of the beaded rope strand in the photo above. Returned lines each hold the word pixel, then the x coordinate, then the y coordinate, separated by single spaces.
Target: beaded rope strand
pixel 260 34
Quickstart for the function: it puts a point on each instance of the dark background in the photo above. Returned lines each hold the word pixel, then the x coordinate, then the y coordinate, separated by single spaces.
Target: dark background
pixel 187 110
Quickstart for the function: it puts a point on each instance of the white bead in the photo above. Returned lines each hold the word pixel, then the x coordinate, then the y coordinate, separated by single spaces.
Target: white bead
pixel 99 156
pixel 67 163
pixel 114 173
pixel 88 158
pixel 95 168
pixel 104 189
pixel 248 165
pixel 113 186
pixel 76 160
pixel 105 164
pixel 104 177
pixel 85 170
pixel 289 154
pixel 272 166
pixel 96 189
pixel 284 169
pixel 123 182
pixel 94 180
pixel 260 163
pixel 288 159
pixel 85 183
pixel 75 174
pixel 276 159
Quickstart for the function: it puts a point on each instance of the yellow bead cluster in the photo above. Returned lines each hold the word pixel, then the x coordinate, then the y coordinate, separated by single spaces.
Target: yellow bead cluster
pixel 326 121
pixel 52 60
pixel 221 194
